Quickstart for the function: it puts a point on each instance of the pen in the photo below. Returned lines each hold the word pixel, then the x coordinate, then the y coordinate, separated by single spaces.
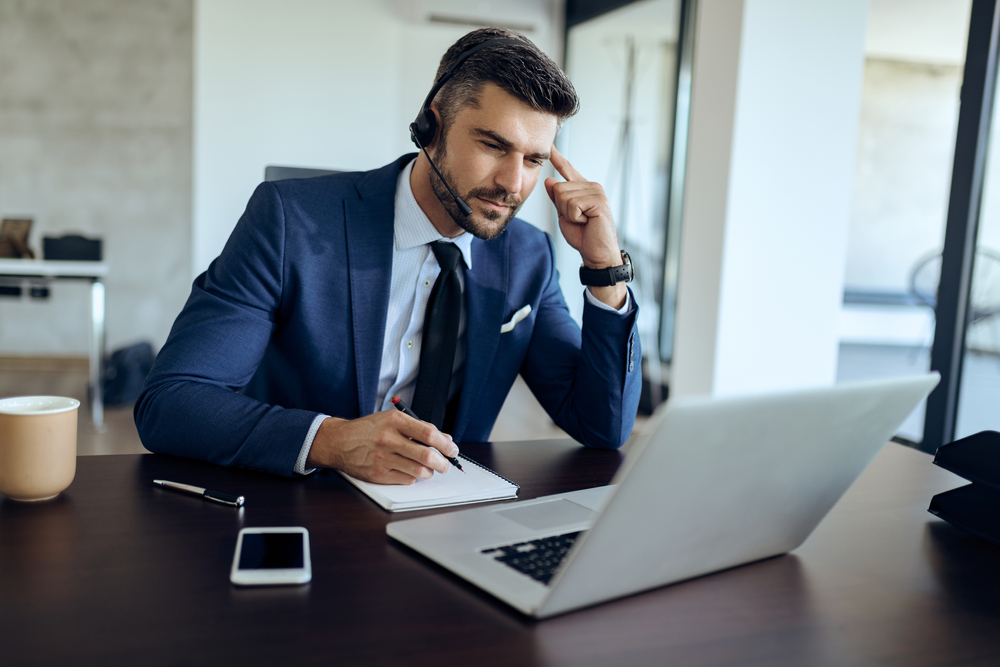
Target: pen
pixel 215 496
pixel 405 409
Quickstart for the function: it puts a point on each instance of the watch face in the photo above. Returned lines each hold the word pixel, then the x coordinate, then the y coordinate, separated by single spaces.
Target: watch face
pixel 628 262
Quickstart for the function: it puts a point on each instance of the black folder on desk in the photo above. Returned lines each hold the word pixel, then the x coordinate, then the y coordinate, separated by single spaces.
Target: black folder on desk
pixel 974 507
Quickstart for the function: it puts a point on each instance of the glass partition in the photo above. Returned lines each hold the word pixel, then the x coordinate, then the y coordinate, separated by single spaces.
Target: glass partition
pixel 624 66
pixel 979 396
pixel 915 54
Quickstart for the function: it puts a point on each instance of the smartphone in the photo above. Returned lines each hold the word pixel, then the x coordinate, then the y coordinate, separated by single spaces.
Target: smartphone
pixel 271 557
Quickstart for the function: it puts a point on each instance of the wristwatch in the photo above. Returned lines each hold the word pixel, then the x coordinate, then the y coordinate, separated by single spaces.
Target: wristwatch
pixel 611 275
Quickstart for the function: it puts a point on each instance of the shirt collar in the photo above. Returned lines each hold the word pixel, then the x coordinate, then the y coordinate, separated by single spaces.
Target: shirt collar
pixel 413 228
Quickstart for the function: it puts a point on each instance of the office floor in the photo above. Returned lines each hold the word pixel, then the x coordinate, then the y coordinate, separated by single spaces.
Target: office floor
pixel 521 418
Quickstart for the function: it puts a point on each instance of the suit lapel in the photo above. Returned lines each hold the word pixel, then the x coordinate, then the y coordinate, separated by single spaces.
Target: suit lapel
pixel 486 295
pixel 369 222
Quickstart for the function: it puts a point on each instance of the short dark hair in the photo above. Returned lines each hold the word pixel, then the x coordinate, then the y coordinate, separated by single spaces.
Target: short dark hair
pixel 522 71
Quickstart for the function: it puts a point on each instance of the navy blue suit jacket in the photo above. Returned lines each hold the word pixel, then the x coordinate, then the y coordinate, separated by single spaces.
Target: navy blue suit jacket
pixel 288 322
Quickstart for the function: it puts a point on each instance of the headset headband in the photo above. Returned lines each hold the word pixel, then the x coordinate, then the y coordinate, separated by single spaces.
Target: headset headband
pixel 462 58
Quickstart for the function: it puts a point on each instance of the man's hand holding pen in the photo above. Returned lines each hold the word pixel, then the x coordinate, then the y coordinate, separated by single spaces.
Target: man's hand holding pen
pixel 398 403
pixel 380 448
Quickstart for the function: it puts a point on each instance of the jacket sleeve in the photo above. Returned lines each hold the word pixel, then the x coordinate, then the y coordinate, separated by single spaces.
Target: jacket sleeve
pixel 588 381
pixel 191 403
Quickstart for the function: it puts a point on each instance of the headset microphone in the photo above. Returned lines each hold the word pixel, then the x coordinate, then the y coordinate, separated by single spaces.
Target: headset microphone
pixel 423 129
pixel 462 206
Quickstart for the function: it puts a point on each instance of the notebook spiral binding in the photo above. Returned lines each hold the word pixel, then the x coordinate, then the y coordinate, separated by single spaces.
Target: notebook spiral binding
pixel 492 472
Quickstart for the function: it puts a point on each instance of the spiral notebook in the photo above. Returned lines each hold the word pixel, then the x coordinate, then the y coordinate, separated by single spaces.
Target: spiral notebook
pixel 476 484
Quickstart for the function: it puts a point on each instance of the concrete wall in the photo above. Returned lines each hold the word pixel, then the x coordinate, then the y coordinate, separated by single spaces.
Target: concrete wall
pixel 150 123
pixel 906 145
pixel 95 137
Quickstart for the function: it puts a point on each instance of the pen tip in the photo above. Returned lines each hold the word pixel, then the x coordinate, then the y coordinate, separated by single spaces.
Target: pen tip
pixel 395 399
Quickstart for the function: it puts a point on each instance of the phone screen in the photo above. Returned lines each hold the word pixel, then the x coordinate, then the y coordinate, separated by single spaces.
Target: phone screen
pixel 268 551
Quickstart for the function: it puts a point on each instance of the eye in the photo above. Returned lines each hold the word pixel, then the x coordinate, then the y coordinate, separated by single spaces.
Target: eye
pixel 491 146
pixel 535 162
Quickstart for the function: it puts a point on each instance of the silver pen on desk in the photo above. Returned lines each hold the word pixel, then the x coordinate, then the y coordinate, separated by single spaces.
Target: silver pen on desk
pixel 215 496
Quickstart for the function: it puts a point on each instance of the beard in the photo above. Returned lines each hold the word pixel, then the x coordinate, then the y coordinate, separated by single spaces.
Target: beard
pixel 496 222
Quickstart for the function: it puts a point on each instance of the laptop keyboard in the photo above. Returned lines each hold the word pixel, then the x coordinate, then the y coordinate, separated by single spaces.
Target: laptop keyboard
pixel 539 559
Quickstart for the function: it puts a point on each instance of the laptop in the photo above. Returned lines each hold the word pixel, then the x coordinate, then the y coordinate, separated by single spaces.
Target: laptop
pixel 711 484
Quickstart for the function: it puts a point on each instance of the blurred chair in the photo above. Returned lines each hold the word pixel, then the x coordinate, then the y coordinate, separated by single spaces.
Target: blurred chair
pixel 275 173
pixel 72 247
pixel 984 301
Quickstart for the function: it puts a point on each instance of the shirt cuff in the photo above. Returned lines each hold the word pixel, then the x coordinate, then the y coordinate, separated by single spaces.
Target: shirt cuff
pixel 600 304
pixel 300 463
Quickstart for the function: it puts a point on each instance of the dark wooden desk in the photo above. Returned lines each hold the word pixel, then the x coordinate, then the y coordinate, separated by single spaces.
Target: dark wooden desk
pixel 117 571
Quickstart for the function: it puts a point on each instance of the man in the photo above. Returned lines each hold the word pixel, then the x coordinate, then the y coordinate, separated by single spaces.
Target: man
pixel 293 344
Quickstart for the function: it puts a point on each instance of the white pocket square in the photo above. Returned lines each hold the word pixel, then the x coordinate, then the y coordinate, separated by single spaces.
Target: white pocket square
pixel 515 318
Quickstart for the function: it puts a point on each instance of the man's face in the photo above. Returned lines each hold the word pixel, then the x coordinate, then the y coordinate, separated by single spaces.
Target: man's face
pixel 492 157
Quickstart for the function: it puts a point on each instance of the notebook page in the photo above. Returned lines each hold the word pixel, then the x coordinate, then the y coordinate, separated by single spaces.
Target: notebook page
pixel 456 486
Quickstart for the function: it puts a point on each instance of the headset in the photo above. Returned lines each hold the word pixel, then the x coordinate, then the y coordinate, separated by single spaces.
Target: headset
pixel 422 130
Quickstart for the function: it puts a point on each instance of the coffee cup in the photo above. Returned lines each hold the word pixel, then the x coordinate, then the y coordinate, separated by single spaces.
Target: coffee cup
pixel 37 446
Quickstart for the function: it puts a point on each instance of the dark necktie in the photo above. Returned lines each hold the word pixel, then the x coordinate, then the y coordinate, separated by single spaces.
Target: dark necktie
pixel 437 351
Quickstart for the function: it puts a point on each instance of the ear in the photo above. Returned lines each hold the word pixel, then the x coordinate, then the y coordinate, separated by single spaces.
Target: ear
pixel 437 125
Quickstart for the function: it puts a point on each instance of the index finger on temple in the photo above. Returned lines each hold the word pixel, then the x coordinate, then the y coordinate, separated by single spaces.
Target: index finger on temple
pixel 564 168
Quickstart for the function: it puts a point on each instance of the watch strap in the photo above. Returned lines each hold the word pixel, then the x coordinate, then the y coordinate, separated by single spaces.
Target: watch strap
pixel 606 277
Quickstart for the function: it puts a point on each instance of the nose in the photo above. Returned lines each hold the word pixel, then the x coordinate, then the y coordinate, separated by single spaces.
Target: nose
pixel 509 174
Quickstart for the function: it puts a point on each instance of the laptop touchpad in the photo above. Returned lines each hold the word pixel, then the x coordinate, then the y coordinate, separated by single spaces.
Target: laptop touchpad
pixel 551 513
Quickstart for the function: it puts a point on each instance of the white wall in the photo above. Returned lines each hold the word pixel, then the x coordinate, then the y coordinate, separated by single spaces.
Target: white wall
pixel 311 83
pixel 774 117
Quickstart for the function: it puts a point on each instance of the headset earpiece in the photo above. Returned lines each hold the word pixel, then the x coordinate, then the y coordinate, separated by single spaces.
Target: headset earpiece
pixel 423 128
